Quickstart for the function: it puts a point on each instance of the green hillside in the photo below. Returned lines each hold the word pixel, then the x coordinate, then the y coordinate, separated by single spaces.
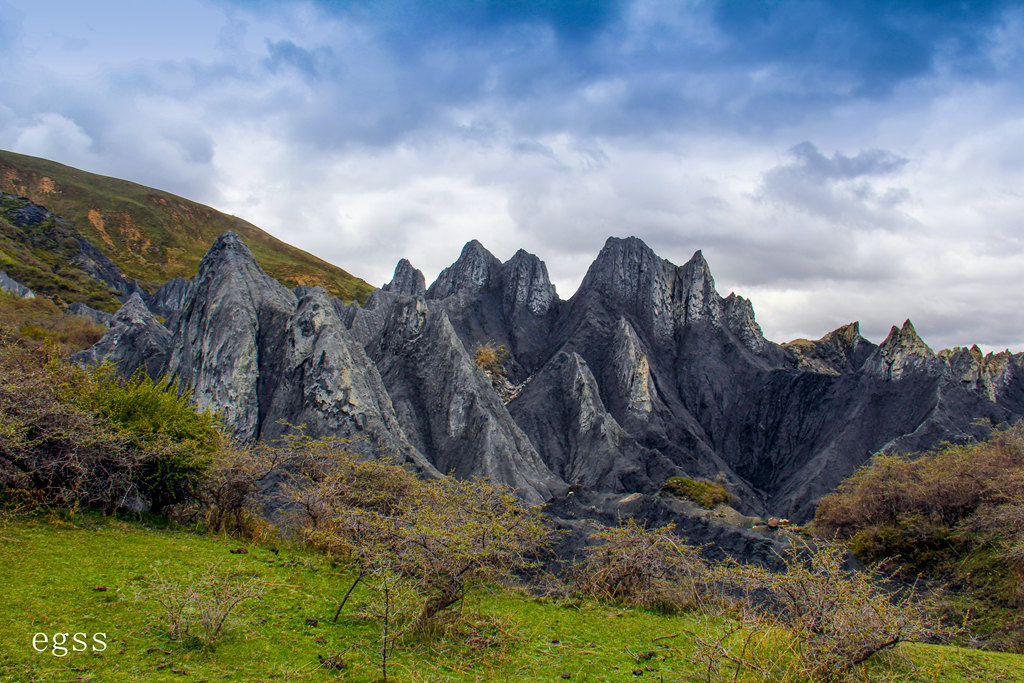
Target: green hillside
pixel 154 236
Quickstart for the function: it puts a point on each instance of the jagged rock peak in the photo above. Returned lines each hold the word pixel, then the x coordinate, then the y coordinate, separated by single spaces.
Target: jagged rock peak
pixel 527 285
pixel 902 351
pixel 229 247
pixel 407 280
pixel 473 270
pixel 697 267
pixel 906 340
pixel 846 336
pixel 133 309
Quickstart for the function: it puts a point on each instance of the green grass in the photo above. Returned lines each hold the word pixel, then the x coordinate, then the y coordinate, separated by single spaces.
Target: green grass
pixel 154 236
pixel 704 493
pixel 52 563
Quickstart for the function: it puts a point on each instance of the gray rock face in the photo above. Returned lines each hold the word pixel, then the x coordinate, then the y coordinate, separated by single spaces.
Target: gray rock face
pixel 579 440
pixel 12 286
pixel 100 317
pixel 329 386
pixel 135 340
pixel 93 261
pixel 448 406
pixel 229 337
pixel 645 373
pixel 407 280
pixel 170 297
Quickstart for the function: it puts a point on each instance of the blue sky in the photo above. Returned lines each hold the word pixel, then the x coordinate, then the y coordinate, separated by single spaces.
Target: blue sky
pixel 835 161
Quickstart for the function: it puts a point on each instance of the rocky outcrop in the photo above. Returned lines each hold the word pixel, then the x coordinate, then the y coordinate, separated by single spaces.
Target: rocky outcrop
pixel 136 340
pixel 839 352
pixel 407 280
pixel 645 373
pixel 447 405
pixel 92 261
pixel 99 317
pixel 329 386
pixel 229 338
pixel 579 440
pixel 902 353
pixel 170 297
pixel 13 287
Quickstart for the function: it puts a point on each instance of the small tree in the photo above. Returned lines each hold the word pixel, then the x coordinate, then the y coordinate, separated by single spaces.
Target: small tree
pixel 198 608
pixel 439 536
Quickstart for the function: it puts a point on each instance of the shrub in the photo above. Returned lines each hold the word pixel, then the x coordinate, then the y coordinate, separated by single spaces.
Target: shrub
pixel 645 567
pixel 491 359
pixel 70 436
pixel 439 536
pixel 178 440
pixel 53 451
pixel 837 618
pixel 704 493
pixel 197 609
pixel 953 514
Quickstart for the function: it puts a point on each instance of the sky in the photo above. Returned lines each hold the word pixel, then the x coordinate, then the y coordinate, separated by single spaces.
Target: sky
pixel 835 161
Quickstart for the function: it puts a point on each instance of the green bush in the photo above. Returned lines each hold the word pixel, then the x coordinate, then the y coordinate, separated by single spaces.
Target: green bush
pixel 955 515
pixel 704 493
pixel 178 440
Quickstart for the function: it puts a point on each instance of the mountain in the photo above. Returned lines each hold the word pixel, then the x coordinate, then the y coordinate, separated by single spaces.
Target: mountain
pixel 154 236
pixel 646 373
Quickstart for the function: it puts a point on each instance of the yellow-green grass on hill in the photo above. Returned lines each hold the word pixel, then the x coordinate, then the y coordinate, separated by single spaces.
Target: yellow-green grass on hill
pixel 154 236
pixel 54 566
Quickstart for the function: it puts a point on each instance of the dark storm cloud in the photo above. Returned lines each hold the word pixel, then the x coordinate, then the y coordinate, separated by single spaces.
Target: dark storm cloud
pixel 599 68
pixel 876 44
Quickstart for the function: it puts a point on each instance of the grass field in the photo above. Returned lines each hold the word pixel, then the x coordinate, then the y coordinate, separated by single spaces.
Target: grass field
pixel 53 565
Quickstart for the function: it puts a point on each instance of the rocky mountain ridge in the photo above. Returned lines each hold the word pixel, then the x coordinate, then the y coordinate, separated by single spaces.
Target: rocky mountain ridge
pixel 645 373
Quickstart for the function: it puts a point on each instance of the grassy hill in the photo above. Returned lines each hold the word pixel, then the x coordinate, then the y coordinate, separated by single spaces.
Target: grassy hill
pixel 154 236
pixel 55 566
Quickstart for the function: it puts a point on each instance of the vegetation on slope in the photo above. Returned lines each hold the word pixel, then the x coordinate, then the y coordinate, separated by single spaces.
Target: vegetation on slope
pixel 154 236
pixel 38 256
pixel 955 515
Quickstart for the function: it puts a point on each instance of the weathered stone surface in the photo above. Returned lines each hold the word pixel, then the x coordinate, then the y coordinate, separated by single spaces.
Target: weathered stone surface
pixel 169 299
pixel 646 372
pixel 93 261
pixel 135 340
pixel 329 386
pixel 448 407
pixel 407 280
pixel 228 344
pixel 839 352
pixel 561 411
pixel 100 317
pixel 901 354
pixel 12 286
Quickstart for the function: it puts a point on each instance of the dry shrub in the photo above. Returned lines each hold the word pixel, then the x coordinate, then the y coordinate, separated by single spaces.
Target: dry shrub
pixel 491 359
pixel 227 498
pixel 197 609
pixel 52 451
pixel 955 516
pixel 40 321
pixel 440 537
pixel 706 494
pixel 646 567
pixel 946 486
pixel 836 618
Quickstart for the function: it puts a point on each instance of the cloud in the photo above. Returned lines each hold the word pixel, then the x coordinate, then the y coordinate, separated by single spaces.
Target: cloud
pixel 840 188
pixel 53 135
pixel 824 155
